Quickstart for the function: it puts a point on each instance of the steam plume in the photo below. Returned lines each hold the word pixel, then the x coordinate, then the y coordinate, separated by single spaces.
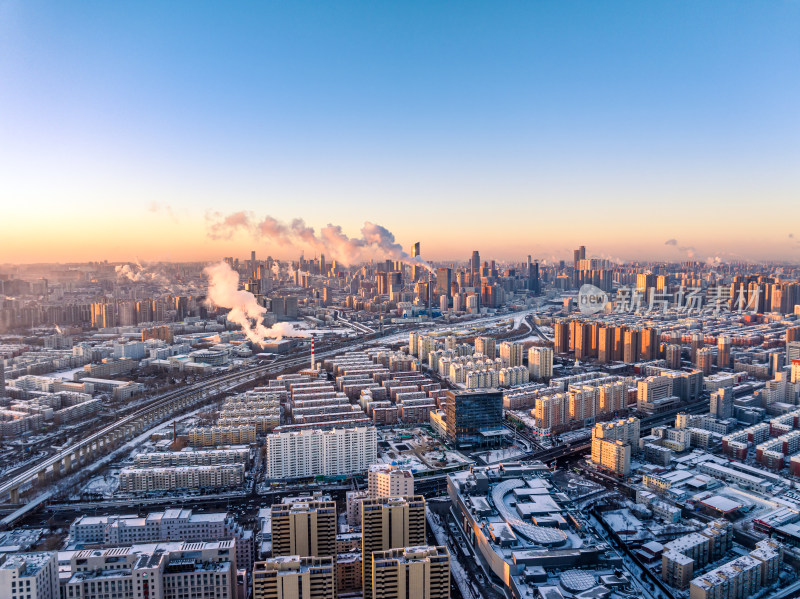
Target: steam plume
pixel 375 240
pixel 137 273
pixel 224 292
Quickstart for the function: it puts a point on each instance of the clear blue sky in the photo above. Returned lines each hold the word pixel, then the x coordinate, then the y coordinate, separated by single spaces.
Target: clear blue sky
pixel 532 126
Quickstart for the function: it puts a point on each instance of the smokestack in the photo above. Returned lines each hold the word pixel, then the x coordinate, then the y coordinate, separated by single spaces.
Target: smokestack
pixel 312 353
pixel 174 432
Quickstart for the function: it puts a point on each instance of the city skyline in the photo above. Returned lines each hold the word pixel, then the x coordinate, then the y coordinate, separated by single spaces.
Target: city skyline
pixel 522 130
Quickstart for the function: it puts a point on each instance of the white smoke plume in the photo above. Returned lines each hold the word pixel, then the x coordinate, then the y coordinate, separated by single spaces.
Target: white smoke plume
pixel 137 273
pixel 224 292
pixel 375 241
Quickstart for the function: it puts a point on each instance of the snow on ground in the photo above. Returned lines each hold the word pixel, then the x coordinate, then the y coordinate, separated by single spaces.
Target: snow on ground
pixel 65 375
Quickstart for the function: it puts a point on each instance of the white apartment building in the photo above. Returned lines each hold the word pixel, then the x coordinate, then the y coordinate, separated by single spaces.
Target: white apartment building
pixel 333 452
pixel 180 477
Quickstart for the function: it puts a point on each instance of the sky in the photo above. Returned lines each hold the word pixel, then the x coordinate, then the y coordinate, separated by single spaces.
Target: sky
pixel 513 128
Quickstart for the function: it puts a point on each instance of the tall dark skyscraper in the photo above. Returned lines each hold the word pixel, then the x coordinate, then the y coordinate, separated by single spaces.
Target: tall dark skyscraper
pixel 533 276
pixel 474 268
pixel 579 254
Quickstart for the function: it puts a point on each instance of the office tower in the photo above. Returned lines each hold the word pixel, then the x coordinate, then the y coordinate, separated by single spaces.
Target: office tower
pixel 533 278
pixel 416 271
pixel 389 523
pixel 605 344
pixel 723 352
pixel 511 353
pixel 673 355
pixel 705 358
pixel 294 577
pixel 385 480
pixel 579 254
pixel 411 572
pixel 486 346
pixel 443 281
pixel 304 528
pixel 540 362
pixel 561 336
pixel 474 418
pixel 631 349
pixel 475 269
pixel 721 405
pixel 35 573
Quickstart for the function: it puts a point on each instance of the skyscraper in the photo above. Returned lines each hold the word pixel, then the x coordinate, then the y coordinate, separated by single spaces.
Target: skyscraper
pixel 475 269
pixel 389 523
pixel 443 281
pixel 414 254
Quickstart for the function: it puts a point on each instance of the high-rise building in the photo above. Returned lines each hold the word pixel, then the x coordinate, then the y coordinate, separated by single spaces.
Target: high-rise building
pixel 632 345
pixel 721 404
pixel 581 338
pixel 474 418
pixel 304 528
pixel 389 523
pixel 579 254
pixel 605 343
pixel 407 572
pixel 560 337
pixel 698 340
pixel 704 360
pixel 649 341
pixel 511 354
pixel 486 346
pixel 613 443
pixel 673 356
pixel 475 269
pixel 294 577
pixel 644 283
pixel 385 480
pixel 2 378
pixel 723 351
pixel 540 362
pixel 444 278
